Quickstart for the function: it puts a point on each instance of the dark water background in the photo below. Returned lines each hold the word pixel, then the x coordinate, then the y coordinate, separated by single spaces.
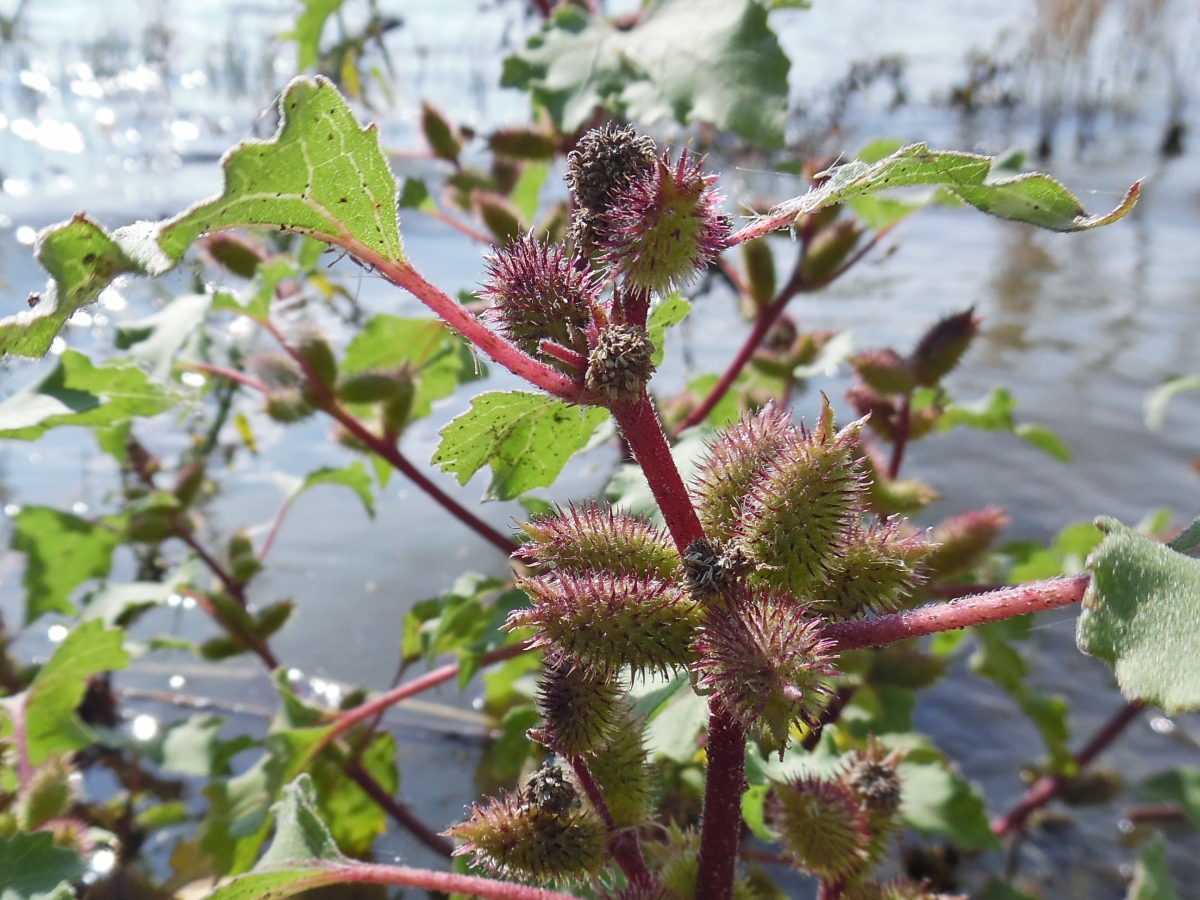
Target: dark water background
pixel 125 113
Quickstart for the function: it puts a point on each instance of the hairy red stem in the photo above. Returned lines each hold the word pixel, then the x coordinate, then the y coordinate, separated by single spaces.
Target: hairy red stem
pixel 721 832
pixel 624 846
pixel 643 433
pixel 461 320
pixel 1037 596
pixel 443 882
pixel 351 717
pixel 1048 787
pixel 397 810
pixel 901 437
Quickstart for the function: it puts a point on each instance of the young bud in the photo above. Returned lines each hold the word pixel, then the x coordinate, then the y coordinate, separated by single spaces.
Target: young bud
pixel 675 861
pixel 664 227
pixel 622 772
pixel 822 826
pixel 288 405
pixel 243 561
pixel 444 139
pixel 233 253
pixel 48 795
pixel 369 386
pixel 878 570
pixel 796 517
pixel 734 462
pixel 620 364
pixel 873 777
pixel 765 660
pixel 315 351
pixel 828 251
pixel 593 537
pixel 513 838
pixel 884 371
pixel 943 345
pixel 501 216
pixel 275 370
pixel 396 410
pixel 879 411
pixel 537 294
pixel 188 484
pixel 523 142
pixel 962 541
pixel 759 264
pixel 606 621
pixel 604 161
pixel 579 710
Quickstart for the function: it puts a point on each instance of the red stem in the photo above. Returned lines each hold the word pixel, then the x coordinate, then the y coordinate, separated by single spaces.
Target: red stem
pixel 1048 787
pixel 461 227
pixel 643 433
pixel 1037 596
pixel 234 588
pixel 442 882
pixel 390 452
pixel 624 846
pixel 351 717
pixel 460 319
pixel 901 437
pixel 397 810
pixel 231 374
pixel 721 832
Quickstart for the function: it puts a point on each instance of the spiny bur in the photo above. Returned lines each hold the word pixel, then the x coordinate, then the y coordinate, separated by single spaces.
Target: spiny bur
pixel 664 228
pixel 822 825
pixel 878 570
pixel 622 771
pixel 619 364
pixel 606 621
pixel 884 371
pixel 604 161
pixel 592 536
pixel 873 777
pixel 764 659
pixel 516 838
pixel 734 463
pixel 798 514
pixel 538 294
pixel 676 863
pixel 579 710
pixel 711 572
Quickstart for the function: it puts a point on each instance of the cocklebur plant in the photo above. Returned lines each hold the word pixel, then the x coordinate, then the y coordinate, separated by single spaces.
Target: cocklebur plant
pixel 774 562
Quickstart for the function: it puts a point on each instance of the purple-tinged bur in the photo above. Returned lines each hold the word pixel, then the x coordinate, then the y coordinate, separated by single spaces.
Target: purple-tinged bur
pixel 764 659
pixel 884 372
pixel 878 570
pixel 962 540
pixel 592 537
pixel 873 777
pixel 513 837
pixel 605 621
pixel 664 227
pixel 798 514
pixel 734 462
pixel 942 346
pixel 538 295
pixel 622 771
pixel 822 825
pixel 579 710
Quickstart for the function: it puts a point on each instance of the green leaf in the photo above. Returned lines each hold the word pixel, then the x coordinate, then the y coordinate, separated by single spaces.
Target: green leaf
pixel 63 551
pixel 191 747
pixel 675 731
pixel 936 801
pixel 1180 786
pixel 353 476
pixel 300 835
pixel 50 721
pixel 1151 880
pixel 753 812
pixel 995 413
pixel 82 259
pixel 628 490
pixel 1030 197
pixel 320 175
pixel 154 340
pixel 438 358
pixel 672 310
pixel 415 195
pixel 1139 615
pixel 35 869
pixel 1155 407
pixel 525 438
pixel 309 25
pixel 75 392
pixel 693 60
pixel 527 190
